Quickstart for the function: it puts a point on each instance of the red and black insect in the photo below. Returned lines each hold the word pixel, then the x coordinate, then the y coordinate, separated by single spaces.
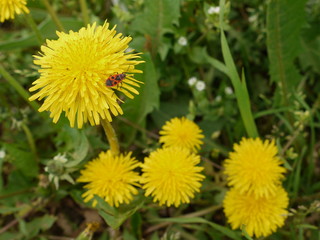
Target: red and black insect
pixel 115 79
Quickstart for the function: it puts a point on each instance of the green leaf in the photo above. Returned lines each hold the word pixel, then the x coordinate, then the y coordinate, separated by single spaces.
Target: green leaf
pixel 157 19
pixel 113 216
pixel 48 30
pixel 23 160
pixel 135 110
pixel 310 54
pixel 284 21
pixel 226 231
pixel 81 149
pixel 240 89
pixel 38 224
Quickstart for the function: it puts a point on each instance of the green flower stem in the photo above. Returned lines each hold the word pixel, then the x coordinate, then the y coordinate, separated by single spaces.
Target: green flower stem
pixel 16 85
pixel 111 136
pixel 53 15
pixel 30 141
pixel 34 28
pixel 84 10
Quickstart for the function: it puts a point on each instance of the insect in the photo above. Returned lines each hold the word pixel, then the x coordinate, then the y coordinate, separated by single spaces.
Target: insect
pixel 115 79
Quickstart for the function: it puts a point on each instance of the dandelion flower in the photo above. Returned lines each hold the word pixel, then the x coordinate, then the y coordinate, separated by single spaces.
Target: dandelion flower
pixel 181 132
pixel 8 8
pixel 111 178
pixel 74 70
pixel 253 167
pixel 260 216
pixel 170 175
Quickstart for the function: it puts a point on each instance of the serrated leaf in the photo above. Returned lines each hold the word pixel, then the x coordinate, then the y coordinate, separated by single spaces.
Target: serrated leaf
pixel 157 19
pixel 284 21
pixel 23 160
pixel 136 110
pixel 310 55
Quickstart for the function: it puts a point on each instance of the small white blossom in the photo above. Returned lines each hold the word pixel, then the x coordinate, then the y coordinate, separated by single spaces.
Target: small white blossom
pixel 253 18
pixel 228 90
pixel 183 41
pixel 218 98
pixel 61 158
pixel 213 10
pixel 200 85
pixel 192 81
pixel 2 153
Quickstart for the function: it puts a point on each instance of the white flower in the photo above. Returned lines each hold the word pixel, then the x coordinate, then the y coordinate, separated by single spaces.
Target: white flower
pixel 192 81
pixel 183 41
pixel 61 158
pixel 213 10
pixel 200 85
pixel 2 154
pixel 218 98
pixel 228 90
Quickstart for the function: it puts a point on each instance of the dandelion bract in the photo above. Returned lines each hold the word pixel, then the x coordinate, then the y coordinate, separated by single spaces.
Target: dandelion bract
pixel 74 70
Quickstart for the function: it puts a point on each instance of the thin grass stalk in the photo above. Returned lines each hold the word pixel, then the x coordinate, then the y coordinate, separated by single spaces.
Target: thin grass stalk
pixel 31 141
pixel 17 86
pixel 34 28
pixel 239 85
pixel 53 15
pixel 84 11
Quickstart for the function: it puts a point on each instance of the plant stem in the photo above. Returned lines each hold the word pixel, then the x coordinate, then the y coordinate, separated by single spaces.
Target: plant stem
pixel 30 141
pixel 111 136
pixel 34 28
pixel 16 85
pixel 84 10
pixel 53 15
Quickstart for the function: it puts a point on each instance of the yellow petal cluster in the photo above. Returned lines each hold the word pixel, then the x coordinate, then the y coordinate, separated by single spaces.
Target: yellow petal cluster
pixel 253 167
pixel 111 177
pixel 171 175
pixel 8 8
pixel 73 73
pixel 260 216
pixel 181 132
pixel 256 199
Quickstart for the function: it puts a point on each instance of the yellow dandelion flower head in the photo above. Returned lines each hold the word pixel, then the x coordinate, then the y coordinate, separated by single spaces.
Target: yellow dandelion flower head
pixel 111 177
pixel 181 132
pixel 253 167
pixel 260 216
pixel 8 8
pixel 74 73
pixel 170 175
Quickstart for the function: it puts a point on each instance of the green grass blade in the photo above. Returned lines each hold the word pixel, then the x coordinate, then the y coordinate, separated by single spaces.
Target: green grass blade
pixel 240 88
pixel 226 231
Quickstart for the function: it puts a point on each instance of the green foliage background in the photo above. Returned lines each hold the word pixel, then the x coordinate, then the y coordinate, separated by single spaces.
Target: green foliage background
pixel 270 57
